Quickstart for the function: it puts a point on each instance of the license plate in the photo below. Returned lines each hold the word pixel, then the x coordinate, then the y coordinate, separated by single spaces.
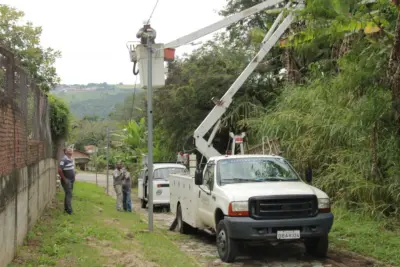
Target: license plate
pixel 294 234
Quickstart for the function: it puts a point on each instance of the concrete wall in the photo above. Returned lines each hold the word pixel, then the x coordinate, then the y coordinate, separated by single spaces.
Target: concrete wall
pixel 24 194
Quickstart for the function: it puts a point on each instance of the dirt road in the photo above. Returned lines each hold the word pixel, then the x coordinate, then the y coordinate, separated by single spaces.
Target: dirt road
pixel 202 247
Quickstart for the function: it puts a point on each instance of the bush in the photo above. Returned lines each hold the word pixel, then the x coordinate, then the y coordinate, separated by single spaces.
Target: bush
pixel 60 118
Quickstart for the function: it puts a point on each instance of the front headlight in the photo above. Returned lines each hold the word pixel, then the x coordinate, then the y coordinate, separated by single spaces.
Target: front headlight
pixel 238 208
pixel 324 205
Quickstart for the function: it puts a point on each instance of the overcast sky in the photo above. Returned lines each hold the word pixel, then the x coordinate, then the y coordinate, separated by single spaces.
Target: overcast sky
pixel 92 34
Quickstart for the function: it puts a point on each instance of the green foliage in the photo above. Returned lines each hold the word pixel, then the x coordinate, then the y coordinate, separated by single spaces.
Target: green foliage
pixel 24 40
pixel 89 132
pixel 60 118
pixel 192 83
pixel 331 121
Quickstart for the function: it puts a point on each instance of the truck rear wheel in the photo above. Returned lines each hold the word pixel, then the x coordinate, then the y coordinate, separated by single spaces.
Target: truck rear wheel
pixel 227 247
pixel 317 246
pixel 183 227
pixel 143 203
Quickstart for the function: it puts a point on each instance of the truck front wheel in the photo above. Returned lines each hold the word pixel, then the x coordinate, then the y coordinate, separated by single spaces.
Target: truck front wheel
pixel 317 246
pixel 227 247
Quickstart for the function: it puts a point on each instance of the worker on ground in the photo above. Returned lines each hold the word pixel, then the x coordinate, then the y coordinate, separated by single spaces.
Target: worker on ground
pixel 126 192
pixel 66 170
pixel 118 176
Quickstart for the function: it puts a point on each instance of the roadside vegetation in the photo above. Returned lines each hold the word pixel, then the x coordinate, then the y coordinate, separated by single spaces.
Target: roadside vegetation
pixel 96 235
pixel 366 235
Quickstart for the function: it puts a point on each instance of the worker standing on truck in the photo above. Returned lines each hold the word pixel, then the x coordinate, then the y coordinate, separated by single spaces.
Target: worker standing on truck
pixel 126 192
pixel 118 177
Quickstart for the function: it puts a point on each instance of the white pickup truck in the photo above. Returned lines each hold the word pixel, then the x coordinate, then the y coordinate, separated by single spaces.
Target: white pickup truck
pixel 245 198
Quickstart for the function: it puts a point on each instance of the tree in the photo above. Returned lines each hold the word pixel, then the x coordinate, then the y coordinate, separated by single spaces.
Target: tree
pixel 337 120
pixel 24 40
pixel 192 82
pixel 91 133
pixel 394 73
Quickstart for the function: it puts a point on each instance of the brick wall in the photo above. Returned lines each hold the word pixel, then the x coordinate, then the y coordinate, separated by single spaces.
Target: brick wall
pixel 16 150
pixel 23 138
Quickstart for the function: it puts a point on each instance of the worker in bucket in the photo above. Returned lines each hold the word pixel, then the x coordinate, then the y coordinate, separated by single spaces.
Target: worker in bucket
pixel 126 192
pixel 118 177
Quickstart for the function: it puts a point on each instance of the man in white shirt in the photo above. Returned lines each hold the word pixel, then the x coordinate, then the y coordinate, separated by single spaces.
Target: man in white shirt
pixel 66 170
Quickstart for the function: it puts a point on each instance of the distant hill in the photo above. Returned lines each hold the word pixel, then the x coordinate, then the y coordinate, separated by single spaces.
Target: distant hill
pixel 94 99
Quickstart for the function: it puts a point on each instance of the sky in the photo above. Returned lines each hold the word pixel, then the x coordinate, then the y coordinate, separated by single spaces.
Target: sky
pixel 92 34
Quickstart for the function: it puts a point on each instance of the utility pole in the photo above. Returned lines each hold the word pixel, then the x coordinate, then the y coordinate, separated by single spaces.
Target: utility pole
pixel 150 127
pixel 147 35
pixel 95 163
pixel 108 157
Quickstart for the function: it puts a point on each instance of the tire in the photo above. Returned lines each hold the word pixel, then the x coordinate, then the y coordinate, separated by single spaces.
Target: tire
pixel 228 248
pixel 183 227
pixel 318 246
pixel 143 203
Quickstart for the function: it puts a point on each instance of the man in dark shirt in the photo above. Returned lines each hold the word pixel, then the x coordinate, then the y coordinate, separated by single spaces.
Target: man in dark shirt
pixel 66 170
pixel 126 192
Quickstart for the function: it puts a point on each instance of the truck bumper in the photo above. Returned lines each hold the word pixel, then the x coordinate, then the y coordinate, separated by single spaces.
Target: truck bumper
pixel 161 202
pixel 247 228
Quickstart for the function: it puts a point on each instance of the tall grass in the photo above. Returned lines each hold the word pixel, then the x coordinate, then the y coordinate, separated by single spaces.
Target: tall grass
pixel 328 124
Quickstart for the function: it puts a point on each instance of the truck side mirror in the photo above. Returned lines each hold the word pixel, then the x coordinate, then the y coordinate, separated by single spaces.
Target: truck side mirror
pixel 309 175
pixel 198 177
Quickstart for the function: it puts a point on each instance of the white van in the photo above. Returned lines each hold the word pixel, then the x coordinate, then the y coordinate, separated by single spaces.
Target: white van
pixel 161 171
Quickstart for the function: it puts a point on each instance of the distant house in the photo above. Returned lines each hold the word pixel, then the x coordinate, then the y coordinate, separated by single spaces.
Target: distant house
pixel 90 149
pixel 81 159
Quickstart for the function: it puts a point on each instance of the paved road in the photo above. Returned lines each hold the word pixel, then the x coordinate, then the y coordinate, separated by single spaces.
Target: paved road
pixel 202 247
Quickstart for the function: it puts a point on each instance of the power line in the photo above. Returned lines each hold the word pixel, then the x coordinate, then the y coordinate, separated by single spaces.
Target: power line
pixel 152 12
pixel 134 97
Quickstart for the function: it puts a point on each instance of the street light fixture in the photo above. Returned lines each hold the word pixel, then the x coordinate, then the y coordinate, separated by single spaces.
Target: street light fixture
pixel 108 150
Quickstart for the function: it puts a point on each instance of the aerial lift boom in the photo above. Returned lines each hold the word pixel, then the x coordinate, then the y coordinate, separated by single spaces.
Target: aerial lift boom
pixel 213 120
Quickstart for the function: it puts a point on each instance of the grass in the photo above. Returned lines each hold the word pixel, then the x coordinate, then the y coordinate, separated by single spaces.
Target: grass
pixel 96 235
pixel 366 236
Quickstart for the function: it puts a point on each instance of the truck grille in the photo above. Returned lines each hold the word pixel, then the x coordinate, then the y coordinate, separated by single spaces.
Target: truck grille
pixel 283 207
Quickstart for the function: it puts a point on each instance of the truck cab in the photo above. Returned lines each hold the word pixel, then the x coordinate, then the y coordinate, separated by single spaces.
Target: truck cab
pixel 161 193
pixel 246 198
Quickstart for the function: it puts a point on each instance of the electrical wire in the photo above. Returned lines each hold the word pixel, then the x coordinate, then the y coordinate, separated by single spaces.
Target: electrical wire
pixel 152 12
pixel 134 97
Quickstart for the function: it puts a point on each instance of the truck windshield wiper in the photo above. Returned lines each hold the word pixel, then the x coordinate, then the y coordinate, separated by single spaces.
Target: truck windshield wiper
pixel 276 179
pixel 239 179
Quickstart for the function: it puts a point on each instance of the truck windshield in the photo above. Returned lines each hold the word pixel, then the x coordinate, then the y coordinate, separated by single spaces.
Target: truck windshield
pixel 162 173
pixel 262 169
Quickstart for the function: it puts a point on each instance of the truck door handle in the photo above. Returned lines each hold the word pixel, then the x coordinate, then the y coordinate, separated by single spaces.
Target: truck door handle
pixel 199 193
pixel 213 197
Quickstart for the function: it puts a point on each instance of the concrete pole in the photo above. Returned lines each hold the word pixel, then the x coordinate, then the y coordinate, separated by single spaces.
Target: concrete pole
pixel 95 164
pixel 150 132
pixel 108 157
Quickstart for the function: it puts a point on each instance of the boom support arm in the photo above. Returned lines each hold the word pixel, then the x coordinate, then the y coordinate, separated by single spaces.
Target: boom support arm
pixel 222 23
pixel 205 147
